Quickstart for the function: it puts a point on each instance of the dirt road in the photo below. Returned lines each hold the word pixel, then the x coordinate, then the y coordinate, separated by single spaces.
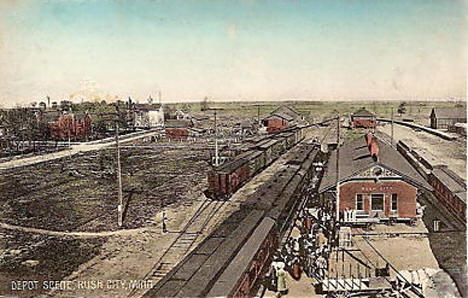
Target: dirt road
pixel 84 147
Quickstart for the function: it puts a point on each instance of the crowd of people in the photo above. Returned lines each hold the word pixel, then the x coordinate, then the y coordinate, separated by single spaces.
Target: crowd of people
pixel 306 251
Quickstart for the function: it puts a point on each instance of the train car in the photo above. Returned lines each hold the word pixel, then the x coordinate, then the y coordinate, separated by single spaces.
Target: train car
pixel 241 275
pixel 450 190
pixel 261 151
pixel 227 178
pixel 232 258
pixel 195 274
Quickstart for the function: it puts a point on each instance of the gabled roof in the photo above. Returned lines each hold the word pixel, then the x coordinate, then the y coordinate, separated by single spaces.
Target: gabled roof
pixel 362 112
pixel 459 112
pixel 355 158
pixel 452 181
pixel 280 115
pixel 147 106
pixel 174 123
pixel 50 116
pixel 290 111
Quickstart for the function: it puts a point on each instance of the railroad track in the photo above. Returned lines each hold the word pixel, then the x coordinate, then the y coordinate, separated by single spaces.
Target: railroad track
pixel 187 237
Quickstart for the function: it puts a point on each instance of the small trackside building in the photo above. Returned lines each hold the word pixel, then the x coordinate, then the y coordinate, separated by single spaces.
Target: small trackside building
pixel 375 183
pixel 178 129
pixel 277 122
pixel 444 118
pixel 362 118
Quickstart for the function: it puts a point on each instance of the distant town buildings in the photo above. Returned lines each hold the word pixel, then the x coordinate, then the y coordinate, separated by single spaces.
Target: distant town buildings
pixel 362 118
pixel 148 115
pixel 71 126
pixel 444 118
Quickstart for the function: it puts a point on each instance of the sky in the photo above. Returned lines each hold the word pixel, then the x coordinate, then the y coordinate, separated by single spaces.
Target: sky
pixel 232 50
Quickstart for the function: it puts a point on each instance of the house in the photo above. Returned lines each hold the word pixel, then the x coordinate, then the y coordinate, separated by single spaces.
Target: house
pixel 375 183
pixel 148 115
pixel 73 126
pixel 450 190
pixel 442 118
pixel 181 115
pixel 178 129
pixel 362 118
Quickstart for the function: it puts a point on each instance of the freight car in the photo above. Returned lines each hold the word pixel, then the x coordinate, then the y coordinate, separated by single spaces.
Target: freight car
pixel 224 180
pixel 230 260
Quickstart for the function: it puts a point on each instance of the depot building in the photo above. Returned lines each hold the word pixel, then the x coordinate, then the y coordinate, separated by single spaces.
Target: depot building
pixel 375 183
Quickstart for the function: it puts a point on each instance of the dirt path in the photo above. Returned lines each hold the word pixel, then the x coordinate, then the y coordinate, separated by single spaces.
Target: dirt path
pixel 86 147
pixel 435 149
pixel 73 234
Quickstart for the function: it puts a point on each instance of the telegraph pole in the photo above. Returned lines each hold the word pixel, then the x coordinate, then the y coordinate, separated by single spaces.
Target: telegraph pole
pixel 119 171
pixel 216 134
pixel 392 126
pixel 337 169
pixel 216 140
pixel 258 114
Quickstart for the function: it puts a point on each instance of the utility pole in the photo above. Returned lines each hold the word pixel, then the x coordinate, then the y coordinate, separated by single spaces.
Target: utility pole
pixel 392 127
pixel 337 169
pixel 216 134
pixel 119 171
pixel 258 114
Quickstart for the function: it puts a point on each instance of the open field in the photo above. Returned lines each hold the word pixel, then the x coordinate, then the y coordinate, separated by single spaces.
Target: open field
pixel 80 193
pixel 317 110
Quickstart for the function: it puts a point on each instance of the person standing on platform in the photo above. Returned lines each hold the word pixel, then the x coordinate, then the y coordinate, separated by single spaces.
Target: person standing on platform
pixel 282 283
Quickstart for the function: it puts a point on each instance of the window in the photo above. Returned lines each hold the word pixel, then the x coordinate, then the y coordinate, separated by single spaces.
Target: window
pixel 394 205
pixel 359 202
pixel 377 202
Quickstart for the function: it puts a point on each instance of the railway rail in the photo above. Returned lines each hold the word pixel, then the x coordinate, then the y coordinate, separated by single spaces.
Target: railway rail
pixel 229 261
pixel 182 244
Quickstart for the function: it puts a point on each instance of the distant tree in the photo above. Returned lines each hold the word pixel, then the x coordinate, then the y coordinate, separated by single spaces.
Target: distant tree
pixel 402 108
pixel 204 104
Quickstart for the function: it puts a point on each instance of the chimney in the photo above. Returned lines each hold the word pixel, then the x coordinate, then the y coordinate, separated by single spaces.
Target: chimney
pixel 374 149
pixel 369 138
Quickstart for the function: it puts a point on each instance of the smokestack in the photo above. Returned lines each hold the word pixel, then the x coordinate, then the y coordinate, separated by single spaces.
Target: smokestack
pixel 48 101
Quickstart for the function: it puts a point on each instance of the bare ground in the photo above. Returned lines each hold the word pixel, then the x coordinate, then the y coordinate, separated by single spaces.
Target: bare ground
pixel 435 149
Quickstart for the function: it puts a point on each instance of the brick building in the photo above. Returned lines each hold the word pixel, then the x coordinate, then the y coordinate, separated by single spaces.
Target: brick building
pixel 362 118
pixel 376 183
pixel 277 122
pixel 178 129
pixel 281 118
pixel 63 126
